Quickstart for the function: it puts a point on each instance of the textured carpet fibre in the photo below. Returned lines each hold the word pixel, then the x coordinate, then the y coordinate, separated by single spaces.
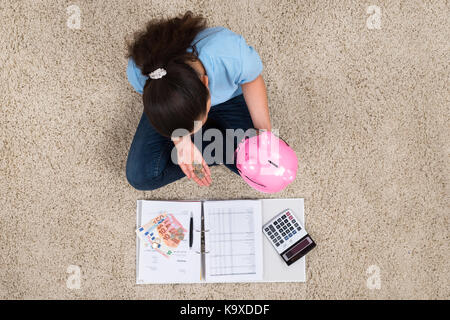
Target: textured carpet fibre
pixel 367 111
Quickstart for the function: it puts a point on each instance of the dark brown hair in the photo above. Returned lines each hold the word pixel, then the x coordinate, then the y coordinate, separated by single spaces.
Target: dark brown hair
pixel 180 97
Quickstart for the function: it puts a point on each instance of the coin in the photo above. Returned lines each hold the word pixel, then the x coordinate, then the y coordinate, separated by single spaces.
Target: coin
pixel 198 170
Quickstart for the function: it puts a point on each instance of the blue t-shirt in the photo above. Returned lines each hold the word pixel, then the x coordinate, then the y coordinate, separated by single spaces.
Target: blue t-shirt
pixel 229 62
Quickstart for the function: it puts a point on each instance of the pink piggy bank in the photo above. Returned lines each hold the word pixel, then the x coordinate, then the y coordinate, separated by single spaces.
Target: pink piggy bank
pixel 266 162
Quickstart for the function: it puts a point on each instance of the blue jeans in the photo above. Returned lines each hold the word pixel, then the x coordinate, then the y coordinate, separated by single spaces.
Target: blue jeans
pixel 149 164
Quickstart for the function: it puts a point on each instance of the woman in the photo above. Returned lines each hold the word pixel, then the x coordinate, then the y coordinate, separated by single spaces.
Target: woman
pixel 191 77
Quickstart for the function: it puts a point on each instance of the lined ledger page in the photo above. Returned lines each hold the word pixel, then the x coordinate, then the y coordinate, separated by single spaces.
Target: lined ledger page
pixel 233 240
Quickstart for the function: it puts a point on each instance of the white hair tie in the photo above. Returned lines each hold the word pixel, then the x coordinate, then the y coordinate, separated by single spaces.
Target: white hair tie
pixel 158 73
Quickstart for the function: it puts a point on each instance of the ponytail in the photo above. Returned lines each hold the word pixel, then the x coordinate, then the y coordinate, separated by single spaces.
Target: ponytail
pixel 179 98
pixel 165 40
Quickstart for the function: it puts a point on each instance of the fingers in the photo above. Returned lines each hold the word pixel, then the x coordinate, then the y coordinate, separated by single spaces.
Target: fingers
pixel 193 176
pixel 190 168
pixel 186 155
pixel 203 173
pixel 206 168
pixel 186 171
pixel 198 181
pixel 207 173
pixel 205 181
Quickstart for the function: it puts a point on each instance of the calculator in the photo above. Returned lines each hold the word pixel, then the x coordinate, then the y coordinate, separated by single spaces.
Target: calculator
pixel 288 237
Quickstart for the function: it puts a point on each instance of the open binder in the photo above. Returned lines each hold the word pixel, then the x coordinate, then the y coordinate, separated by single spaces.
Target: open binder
pixel 228 243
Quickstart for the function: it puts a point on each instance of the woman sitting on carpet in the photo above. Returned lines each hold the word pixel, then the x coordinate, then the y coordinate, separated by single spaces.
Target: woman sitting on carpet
pixel 190 77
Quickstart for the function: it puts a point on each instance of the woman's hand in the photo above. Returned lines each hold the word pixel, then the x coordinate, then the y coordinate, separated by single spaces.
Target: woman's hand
pixel 188 155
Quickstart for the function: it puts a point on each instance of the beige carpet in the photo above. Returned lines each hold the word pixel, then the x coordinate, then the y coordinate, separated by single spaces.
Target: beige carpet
pixel 367 111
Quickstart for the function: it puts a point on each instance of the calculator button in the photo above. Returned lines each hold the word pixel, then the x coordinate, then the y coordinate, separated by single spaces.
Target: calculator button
pixel 296 224
pixel 291 217
pixel 279 219
pixel 285 238
pixel 299 228
pixel 271 227
pixel 275 222
pixel 283 216
pixel 277 244
pixel 288 213
pixel 294 232
pixel 279 237
pixel 281 241
pixel 283 234
pixel 291 228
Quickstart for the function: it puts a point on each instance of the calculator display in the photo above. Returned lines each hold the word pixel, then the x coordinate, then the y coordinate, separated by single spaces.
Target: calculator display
pixel 288 237
pixel 298 247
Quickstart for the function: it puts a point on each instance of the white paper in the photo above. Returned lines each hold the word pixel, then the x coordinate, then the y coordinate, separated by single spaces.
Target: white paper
pixel 275 269
pixel 233 240
pixel 183 266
